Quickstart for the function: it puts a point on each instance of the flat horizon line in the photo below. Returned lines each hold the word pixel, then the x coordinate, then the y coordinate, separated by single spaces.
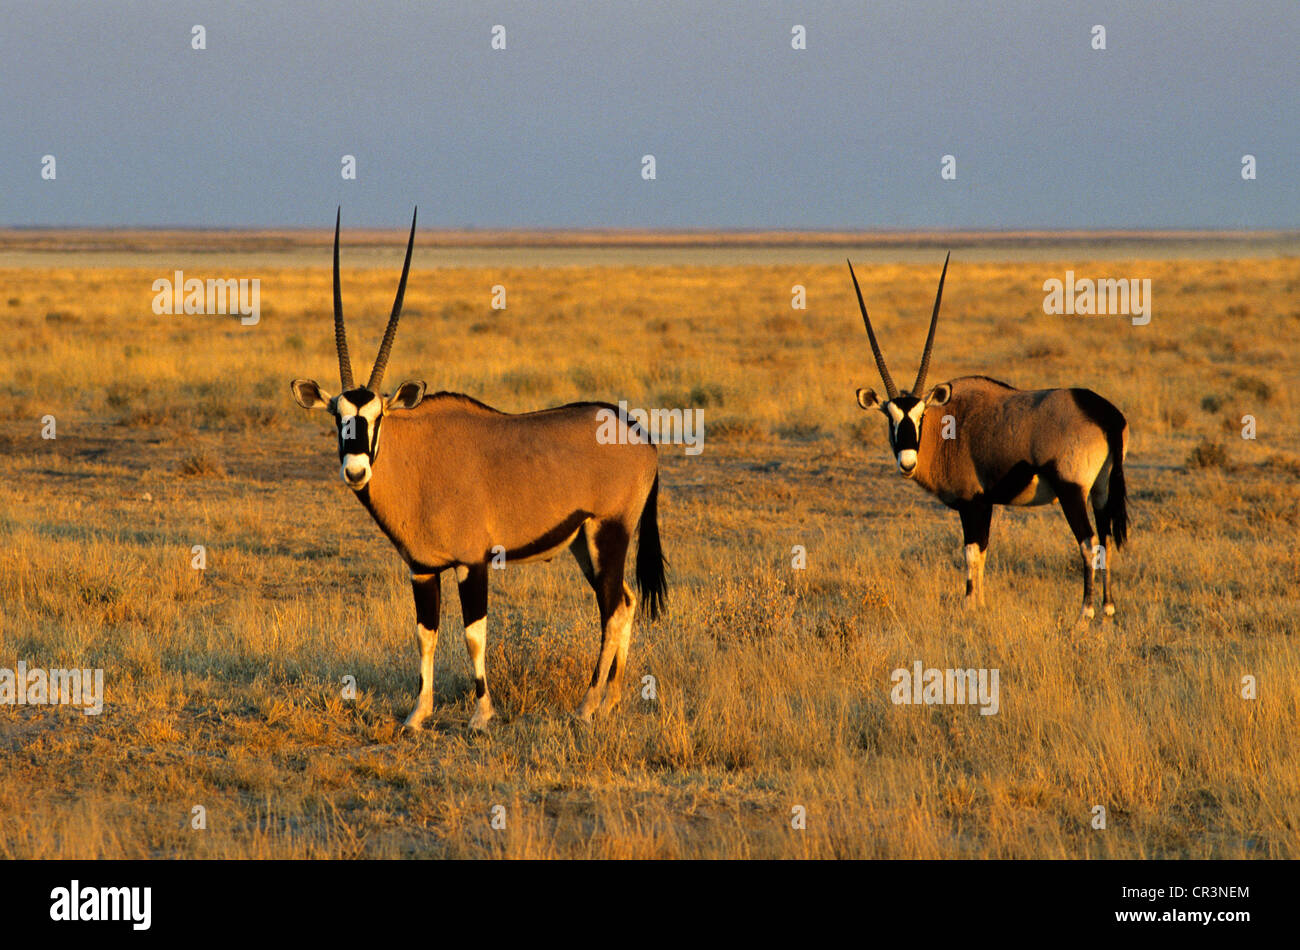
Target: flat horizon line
pixel 43 237
pixel 702 231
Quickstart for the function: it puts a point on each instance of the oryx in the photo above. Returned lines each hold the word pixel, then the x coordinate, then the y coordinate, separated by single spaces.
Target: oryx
pixel 975 442
pixel 457 485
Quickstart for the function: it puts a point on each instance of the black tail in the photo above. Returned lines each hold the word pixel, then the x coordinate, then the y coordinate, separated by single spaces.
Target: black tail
pixel 1116 493
pixel 650 575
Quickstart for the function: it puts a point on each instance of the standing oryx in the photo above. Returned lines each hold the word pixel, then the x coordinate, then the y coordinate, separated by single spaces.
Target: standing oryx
pixel 1005 446
pixel 456 484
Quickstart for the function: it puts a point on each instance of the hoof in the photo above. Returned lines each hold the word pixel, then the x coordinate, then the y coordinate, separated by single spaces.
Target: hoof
pixel 414 721
pixel 482 716
pixel 590 705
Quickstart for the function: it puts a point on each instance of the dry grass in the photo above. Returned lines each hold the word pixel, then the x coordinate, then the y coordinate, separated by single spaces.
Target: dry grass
pixel 224 686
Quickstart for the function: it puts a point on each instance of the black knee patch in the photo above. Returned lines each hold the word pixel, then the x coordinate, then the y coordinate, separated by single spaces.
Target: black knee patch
pixel 428 602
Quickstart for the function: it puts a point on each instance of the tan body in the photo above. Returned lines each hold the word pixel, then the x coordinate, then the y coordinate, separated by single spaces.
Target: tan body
pixel 456 482
pixel 1004 440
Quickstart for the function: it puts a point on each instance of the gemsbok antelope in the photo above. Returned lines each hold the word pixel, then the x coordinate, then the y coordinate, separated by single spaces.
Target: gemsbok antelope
pixel 457 485
pixel 1005 446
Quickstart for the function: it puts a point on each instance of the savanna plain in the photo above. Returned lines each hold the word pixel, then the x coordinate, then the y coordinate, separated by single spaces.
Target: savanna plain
pixel 225 686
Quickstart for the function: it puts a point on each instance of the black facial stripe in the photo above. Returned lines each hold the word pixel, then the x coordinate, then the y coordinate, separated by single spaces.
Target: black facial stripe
pixel 905 436
pixel 359 442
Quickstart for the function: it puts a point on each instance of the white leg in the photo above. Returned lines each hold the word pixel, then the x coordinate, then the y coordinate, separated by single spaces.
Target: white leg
pixel 1087 552
pixel 972 552
pixel 427 590
pixel 476 646
pixel 428 640
pixel 621 623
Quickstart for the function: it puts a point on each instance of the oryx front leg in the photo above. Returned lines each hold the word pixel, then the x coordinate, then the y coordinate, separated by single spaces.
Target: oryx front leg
pixel 974 577
pixel 427 590
pixel 473 605
pixel 975 520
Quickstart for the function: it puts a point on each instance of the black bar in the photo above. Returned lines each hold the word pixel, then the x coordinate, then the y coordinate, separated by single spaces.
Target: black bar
pixel 921 900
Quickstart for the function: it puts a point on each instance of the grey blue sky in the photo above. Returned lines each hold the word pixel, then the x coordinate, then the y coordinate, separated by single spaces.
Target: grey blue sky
pixel 746 132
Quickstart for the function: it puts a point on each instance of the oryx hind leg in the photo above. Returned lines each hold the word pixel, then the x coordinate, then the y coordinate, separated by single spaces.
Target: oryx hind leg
pixel 608 548
pixel 583 554
pixel 1074 504
pixel 473 605
pixel 428 592
pixel 1104 561
pixel 623 630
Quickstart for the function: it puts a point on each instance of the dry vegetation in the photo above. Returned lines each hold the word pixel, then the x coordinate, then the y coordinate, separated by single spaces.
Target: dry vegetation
pixel 224 685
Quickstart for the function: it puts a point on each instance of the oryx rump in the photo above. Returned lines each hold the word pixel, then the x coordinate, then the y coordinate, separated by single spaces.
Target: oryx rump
pixel 1005 446
pixel 457 485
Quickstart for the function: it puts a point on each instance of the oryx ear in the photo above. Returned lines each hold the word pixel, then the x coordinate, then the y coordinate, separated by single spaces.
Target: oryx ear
pixel 407 396
pixel 868 399
pixel 939 396
pixel 309 394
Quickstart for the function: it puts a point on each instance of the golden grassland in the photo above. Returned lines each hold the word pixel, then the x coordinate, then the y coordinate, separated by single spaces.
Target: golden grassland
pixel 224 686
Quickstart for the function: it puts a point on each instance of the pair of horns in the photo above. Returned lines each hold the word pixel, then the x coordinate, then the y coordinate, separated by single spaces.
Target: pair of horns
pixel 340 334
pixel 888 380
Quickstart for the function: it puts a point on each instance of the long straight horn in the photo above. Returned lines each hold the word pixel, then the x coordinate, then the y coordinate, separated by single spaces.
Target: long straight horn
pixel 381 361
pixel 340 334
pixel 888 380
pixel 929 340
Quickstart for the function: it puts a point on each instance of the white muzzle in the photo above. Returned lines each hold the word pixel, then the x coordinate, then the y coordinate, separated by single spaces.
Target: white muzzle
pixel 356 471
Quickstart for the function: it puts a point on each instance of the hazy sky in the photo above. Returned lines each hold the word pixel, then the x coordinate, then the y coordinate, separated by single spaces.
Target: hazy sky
pixel 746 132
